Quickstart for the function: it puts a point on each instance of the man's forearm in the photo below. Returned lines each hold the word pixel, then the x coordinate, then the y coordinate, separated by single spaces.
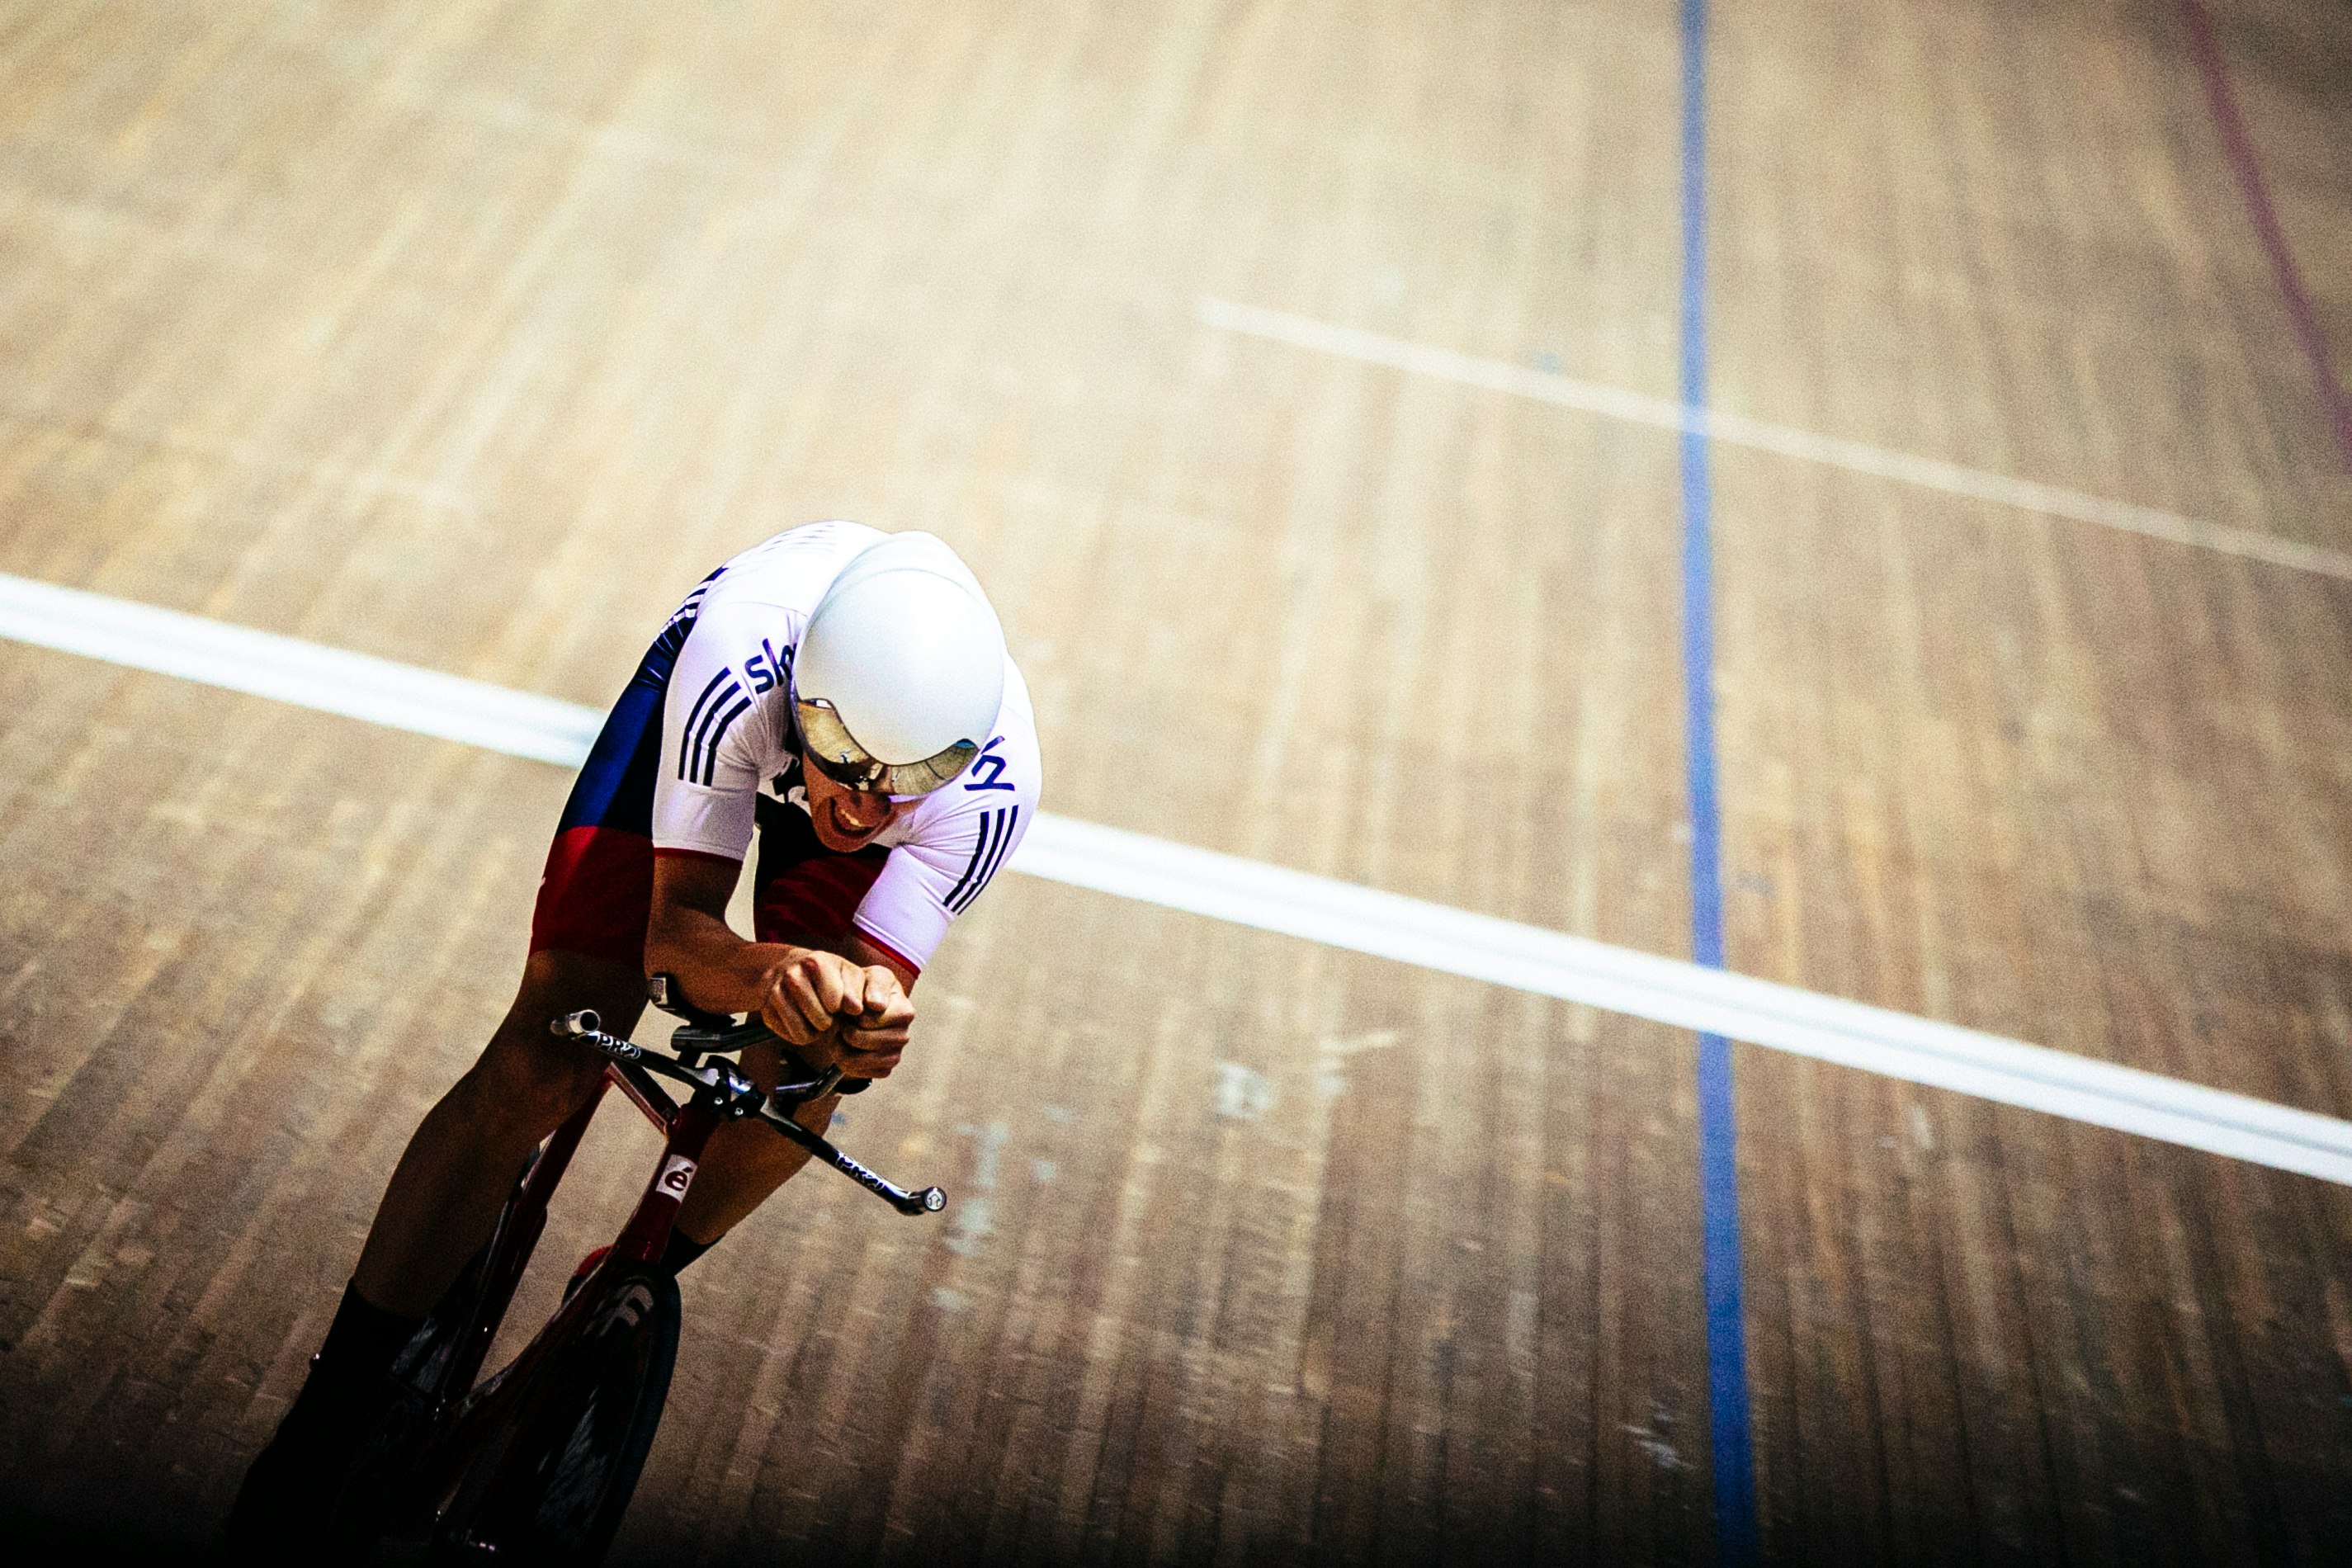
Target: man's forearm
pixel 802 993
pixel 718 970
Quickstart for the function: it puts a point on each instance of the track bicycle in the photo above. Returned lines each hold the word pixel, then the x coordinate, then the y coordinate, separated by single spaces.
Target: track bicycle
pixel 536 1464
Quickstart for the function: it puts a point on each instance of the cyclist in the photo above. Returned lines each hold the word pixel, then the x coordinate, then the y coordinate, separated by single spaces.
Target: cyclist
pixel 841 694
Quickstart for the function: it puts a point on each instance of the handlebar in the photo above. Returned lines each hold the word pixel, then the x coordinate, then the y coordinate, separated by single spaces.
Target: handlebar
pixel 929 1200
pixel 737 1096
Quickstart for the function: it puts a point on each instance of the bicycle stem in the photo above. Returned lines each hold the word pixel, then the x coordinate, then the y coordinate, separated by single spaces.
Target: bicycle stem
pixel 723 1093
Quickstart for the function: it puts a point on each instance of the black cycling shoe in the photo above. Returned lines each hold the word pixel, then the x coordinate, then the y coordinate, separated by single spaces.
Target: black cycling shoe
pixel 283 1509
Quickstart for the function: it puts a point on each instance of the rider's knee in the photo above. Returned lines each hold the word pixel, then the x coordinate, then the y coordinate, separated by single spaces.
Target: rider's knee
pixel 526 1092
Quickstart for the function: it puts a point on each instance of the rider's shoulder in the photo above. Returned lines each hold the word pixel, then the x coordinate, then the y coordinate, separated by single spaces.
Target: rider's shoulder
pixel 790 570
pixel 1008 772
pixel 751 611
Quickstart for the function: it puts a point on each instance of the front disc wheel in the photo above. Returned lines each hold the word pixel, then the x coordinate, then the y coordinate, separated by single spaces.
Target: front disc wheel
pixel 567 1479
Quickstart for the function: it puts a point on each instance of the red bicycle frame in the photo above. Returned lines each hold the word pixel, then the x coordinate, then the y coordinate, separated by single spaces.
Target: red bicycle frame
pixel 721 1093
pixel 686 1129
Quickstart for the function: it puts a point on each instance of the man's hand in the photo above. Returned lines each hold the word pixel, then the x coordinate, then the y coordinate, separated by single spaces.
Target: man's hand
pixel 837 1014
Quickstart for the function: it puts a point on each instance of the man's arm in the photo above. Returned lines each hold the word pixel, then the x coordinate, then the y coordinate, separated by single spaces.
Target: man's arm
pixel 847 1010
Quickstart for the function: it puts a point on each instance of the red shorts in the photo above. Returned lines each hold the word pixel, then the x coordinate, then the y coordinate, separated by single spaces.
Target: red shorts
pixel 597 892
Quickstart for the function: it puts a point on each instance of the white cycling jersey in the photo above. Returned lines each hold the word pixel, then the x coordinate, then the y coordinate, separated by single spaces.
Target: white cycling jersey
pixel 728 737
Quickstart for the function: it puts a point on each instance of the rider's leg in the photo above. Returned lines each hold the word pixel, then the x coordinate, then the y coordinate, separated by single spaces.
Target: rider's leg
pixel 744 1162
pixel 447 1190
pixel 445 1195
pixel 443 1201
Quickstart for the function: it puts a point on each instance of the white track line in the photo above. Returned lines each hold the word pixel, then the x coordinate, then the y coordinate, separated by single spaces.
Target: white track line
pixel 291 670
pixel 1361 919
pixel 1855 457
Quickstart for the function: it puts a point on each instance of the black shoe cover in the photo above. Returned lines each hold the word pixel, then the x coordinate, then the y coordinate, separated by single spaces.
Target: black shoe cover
pixel 282 1511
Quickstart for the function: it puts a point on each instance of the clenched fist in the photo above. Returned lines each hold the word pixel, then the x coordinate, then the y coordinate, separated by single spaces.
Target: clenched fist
pixel 836 1014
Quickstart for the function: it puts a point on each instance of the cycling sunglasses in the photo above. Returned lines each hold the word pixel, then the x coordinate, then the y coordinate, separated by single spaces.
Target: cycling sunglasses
pixel 827 746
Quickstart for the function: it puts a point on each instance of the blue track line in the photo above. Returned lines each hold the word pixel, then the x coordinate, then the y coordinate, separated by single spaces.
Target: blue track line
pixel 1726 1347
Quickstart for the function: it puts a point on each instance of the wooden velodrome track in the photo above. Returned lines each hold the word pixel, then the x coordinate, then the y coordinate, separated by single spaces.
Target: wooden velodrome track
pixel 470 335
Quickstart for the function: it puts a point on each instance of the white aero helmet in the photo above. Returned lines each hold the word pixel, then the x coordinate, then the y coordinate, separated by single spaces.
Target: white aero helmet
pixel 900 670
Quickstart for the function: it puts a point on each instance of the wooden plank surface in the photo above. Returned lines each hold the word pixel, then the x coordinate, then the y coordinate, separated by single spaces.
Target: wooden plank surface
pixel 471 334
pixel 2080 787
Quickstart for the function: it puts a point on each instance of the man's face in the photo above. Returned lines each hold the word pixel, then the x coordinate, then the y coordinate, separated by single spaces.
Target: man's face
pixel 848 818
